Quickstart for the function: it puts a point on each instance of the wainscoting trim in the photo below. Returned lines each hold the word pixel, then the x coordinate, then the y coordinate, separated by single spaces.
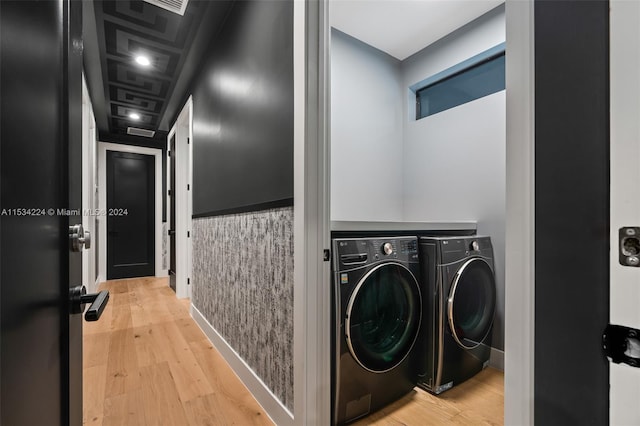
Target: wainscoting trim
pixel 274 408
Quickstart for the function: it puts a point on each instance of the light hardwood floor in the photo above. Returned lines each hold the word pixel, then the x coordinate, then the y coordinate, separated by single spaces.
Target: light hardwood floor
pixel 478 401
pixel 146 362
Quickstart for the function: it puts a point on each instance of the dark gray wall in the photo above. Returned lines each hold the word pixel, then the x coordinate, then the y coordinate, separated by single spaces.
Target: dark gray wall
pixel 242 171
pixel 572 212
pixel 243 113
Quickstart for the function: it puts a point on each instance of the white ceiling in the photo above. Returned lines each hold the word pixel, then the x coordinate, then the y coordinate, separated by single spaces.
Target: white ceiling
pixel 404 27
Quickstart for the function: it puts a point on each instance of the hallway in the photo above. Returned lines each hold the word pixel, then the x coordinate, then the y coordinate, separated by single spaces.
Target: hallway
pixel 146 362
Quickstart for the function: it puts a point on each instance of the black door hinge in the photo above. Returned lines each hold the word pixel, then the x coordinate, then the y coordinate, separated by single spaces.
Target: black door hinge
pixel 169 192
pixel 188 234
pixel 188 141
pixel 168 153
pixel 188 281
pixel 188 187
pixel 327 255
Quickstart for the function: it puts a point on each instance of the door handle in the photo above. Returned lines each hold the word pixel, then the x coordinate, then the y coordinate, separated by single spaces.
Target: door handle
pixel 79 298
pixel 172 232
pixel 79 238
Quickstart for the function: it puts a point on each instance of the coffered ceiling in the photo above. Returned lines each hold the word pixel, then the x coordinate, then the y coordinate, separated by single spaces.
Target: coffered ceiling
pixel 123 92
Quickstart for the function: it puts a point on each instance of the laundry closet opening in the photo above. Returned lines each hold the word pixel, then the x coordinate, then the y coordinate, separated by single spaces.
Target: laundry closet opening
pixel 418 150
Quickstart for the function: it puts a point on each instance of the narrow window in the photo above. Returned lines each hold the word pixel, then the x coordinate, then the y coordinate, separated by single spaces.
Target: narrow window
pixel 471 83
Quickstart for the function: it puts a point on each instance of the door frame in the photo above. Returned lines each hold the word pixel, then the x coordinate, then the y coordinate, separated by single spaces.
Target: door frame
pixel 103 147
pixel 311 217
pixel 625 150
pixel 184 197
pixel 89 183
pixel 520 217
pixel 314 384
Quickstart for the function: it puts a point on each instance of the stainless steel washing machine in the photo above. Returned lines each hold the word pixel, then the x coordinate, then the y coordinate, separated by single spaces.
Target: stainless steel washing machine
pixel 376 320
pixel 459 292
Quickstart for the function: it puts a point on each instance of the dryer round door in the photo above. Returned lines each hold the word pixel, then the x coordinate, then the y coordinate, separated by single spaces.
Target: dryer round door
pixel 472 303
pixel 383 317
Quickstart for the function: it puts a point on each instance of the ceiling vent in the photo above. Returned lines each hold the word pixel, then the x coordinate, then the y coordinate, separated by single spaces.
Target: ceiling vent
pixel 140 132
pixel 175 6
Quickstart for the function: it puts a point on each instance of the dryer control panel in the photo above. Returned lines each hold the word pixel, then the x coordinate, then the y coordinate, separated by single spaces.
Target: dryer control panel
pixel 350 253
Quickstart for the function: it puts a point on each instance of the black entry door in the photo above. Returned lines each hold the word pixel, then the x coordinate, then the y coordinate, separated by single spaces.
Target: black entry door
pixel 130 215
pixel 40 154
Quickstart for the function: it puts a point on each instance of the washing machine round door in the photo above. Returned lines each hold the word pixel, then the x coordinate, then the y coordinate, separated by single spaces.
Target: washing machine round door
pixel 472 303
pixel 383 317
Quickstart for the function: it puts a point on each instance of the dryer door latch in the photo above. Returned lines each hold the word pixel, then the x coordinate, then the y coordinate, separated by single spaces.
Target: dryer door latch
pixel 622 344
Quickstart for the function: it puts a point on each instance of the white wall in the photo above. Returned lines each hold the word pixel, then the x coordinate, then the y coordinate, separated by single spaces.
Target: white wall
pixel 366 132
pixel 454 161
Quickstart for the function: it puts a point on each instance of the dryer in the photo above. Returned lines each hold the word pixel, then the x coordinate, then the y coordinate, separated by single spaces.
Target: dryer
pixel 376 318
pixel 459 290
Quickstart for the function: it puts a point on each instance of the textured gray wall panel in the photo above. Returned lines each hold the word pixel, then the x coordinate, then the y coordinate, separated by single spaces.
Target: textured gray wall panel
pixel 243 285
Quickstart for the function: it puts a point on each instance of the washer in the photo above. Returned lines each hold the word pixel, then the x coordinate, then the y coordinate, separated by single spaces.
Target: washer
pixel 377 312
pixel 458 284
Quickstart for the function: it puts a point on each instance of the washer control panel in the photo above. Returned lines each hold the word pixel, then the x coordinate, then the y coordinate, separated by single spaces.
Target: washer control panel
pixel 350 253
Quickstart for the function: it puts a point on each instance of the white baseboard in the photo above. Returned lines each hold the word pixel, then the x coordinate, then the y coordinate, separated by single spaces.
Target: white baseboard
pixel 163 273
pixel 274 408
pixel 496 359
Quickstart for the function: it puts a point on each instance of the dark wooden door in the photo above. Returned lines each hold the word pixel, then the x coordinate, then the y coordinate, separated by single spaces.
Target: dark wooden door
pixel 172 214
pixel 130 215
pixel 40 154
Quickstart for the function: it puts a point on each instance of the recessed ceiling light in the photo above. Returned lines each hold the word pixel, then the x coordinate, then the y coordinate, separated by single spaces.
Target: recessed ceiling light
pixel 134 116
pixel 143 60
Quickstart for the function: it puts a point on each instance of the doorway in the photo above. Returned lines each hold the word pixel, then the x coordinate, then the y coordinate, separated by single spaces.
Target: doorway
pixel 179 150
pixel 172 213
pixel 130 215
pixel 155 157
pixel 537 223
